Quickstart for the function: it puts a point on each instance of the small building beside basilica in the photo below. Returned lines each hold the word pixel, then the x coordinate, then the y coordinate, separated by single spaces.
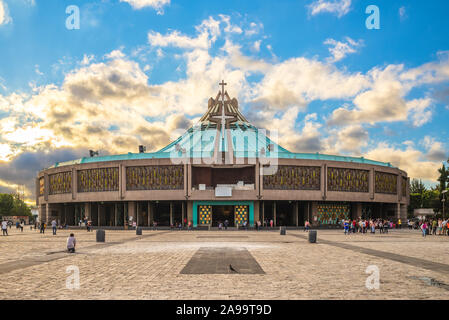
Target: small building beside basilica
pixel 222 168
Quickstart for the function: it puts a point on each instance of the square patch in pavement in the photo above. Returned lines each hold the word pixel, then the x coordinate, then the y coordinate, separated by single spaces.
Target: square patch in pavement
pixel 224 260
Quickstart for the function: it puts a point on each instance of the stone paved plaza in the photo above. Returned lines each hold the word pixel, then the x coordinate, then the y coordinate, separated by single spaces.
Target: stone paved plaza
pixel 153 266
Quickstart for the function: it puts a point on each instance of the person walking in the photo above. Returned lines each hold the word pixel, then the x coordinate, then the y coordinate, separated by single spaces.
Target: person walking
pixel 345 226
pixel 42 227
pixel 53 226
pixel 434 227
pixel 399 223
pixel 424 228
pixel 21 225
pixel 5 227
pixel 271 223
pixel 71 243
pixel 226 224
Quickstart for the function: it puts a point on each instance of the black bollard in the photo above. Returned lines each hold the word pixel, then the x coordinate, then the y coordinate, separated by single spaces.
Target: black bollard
pixel 138 231
pixel 101 235
pixel 283 231
pixel 312 236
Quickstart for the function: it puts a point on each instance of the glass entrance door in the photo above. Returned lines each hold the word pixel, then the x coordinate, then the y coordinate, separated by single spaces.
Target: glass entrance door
pixel 221 214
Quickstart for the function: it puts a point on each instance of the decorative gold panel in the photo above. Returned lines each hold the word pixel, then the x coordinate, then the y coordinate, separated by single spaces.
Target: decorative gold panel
pixel 41 186
pixel 98 180
pixel 155 178
pixel 348 180
pixel 404 186
pixel 293 178
pixel 386 183
pixel 60 182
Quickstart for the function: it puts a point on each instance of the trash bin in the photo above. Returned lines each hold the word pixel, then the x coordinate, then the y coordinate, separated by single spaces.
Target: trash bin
pixel 283 231
pixel 101 235
pixel 139 231
pixel 312 236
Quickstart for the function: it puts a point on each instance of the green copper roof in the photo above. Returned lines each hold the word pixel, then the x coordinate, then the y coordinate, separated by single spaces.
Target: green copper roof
pixel 199 142
pixel 222 121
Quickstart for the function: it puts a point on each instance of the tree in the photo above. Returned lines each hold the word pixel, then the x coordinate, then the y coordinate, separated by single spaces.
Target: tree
pixel 416 186
pixel 11 205
pixel 6 204
pixel 443 178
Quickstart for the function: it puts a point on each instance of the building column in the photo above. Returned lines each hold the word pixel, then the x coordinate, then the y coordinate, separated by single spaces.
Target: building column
pixel 131 211
pixel 137 213
pixel 125 214
pixel 274 213
pixel 98 214
pixel 189 211
pixel 256 211
pixel 183 214
pixel 308 212
pixel 263 212
pixel 358 210
pixel 398 211
pixel 403 214
pixel 297 212
pixel 87 210
pixel 115 214
pixel 171 213
pixel 47 213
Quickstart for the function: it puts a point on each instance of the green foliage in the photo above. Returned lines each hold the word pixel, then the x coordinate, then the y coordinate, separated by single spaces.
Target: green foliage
pixel 416 186
pixel 443 178
pixel 11 205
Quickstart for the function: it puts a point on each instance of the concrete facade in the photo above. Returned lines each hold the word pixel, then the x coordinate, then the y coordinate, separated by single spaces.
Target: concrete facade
pixel 140 204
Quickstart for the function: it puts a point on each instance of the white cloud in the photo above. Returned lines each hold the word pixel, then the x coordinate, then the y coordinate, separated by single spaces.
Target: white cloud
pixel 256 46
pixel 435 150
pixel 253 29
pixel 402 13
pixel 87 59
pixel 36 69
pixel 115 54
pixel 339 49
pixel 338 7
pixel 411 160
pixel 158 5
pixel 117 93
pixel 386 100
pixel 4 13
pixel 350 139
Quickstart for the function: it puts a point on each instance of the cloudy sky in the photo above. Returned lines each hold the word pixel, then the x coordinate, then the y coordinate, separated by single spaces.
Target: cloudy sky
pixel 141 71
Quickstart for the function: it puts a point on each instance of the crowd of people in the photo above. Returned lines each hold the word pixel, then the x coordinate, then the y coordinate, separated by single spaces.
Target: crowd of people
pixel 368 225
pixel 431 226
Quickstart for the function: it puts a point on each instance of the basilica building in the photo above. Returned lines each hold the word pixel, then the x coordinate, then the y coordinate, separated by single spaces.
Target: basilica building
pixel 222 168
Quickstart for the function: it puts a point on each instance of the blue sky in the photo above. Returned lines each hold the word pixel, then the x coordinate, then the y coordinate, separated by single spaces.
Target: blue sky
pixel 141 71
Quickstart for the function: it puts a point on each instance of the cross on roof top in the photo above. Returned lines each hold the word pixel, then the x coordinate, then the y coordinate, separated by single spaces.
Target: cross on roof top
pixel 222 84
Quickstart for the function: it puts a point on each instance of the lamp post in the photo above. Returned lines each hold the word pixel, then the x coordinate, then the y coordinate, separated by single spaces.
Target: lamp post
pixel 443 200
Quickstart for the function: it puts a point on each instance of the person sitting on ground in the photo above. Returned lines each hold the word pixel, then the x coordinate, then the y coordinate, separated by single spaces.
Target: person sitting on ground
pixel 71 243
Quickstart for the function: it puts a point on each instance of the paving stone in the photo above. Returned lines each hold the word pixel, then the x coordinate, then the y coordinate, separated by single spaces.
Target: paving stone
pixel 150 266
